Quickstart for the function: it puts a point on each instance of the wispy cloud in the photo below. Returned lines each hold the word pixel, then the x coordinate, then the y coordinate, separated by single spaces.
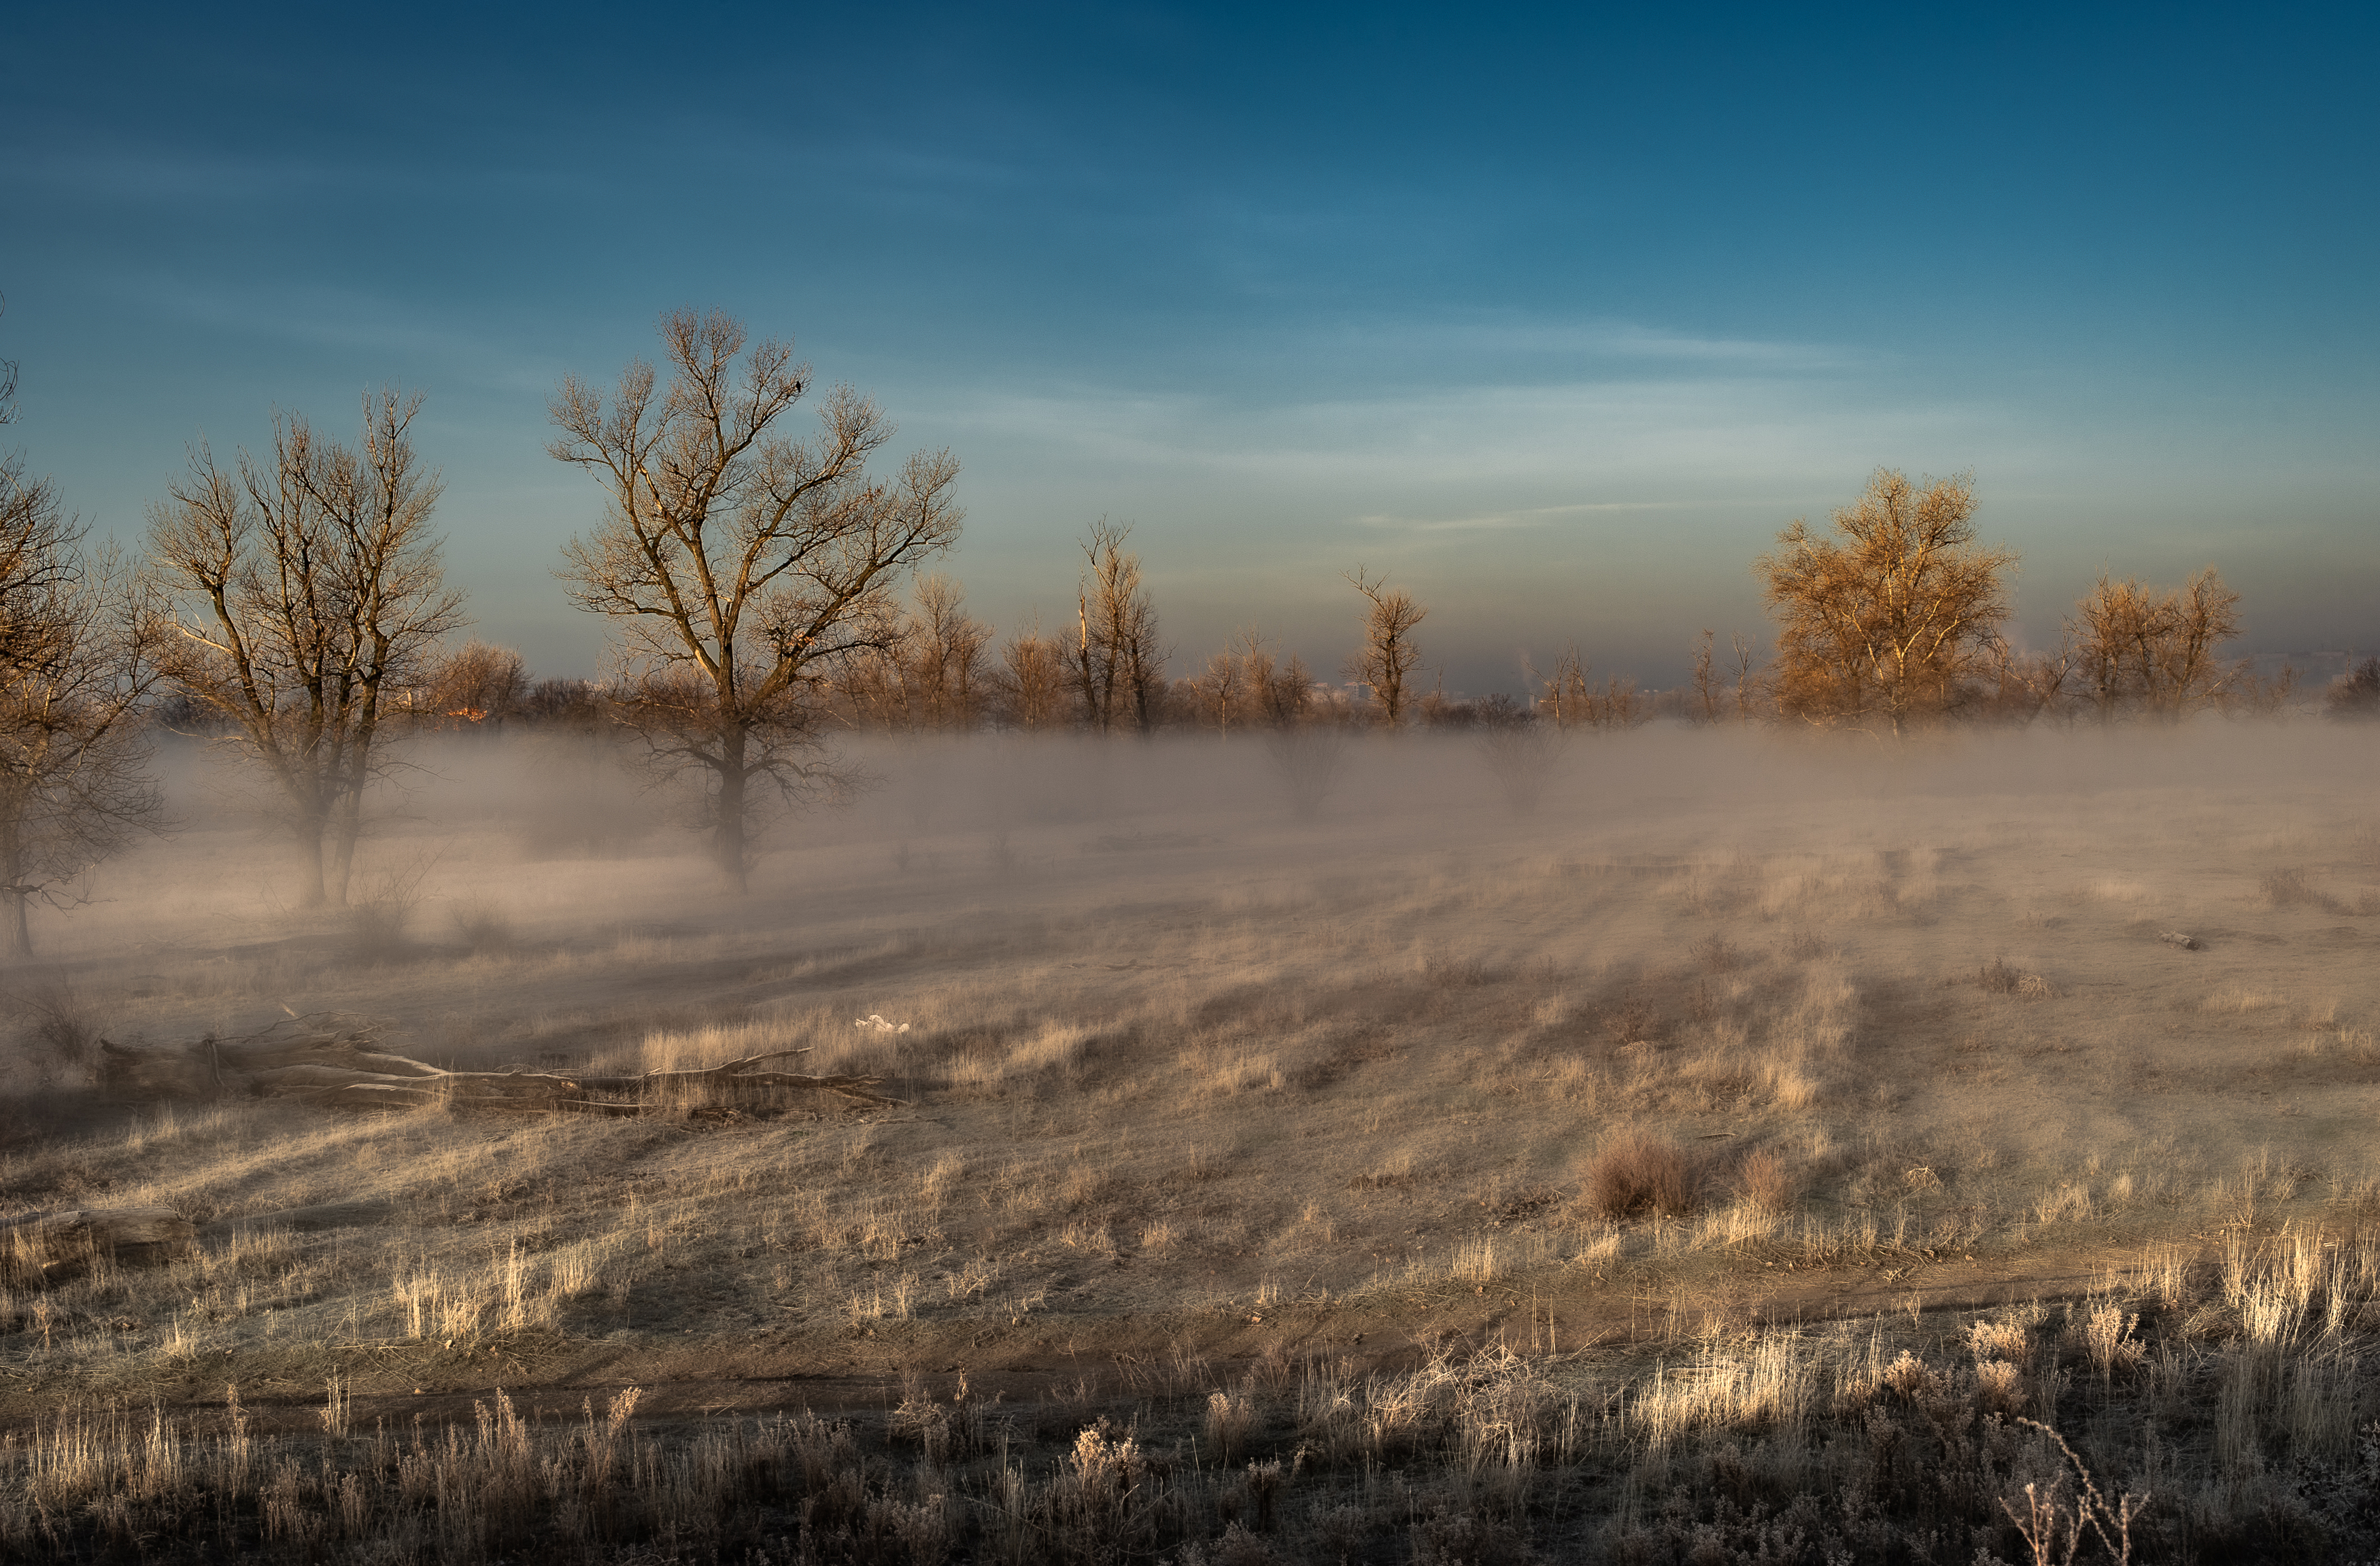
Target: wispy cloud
pixel 322 316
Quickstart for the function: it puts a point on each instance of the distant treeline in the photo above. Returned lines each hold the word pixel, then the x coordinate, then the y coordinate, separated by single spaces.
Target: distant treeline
pixel 2128 652
pixel 766 591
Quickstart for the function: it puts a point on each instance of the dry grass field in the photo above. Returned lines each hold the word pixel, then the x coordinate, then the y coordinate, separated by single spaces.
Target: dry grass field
pixel 1723 1160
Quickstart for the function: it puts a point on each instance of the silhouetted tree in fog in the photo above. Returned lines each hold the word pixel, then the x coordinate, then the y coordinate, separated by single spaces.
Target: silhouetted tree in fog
pixel 741 568
pixel 306 593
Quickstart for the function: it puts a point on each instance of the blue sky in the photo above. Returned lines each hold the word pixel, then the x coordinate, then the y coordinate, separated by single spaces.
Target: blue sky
pixel 1556 317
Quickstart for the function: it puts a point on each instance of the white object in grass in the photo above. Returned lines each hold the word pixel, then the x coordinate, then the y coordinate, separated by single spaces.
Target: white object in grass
pixel 875 1024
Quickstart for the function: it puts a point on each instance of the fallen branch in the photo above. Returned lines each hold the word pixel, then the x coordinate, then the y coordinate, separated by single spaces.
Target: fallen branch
pixel 332 1060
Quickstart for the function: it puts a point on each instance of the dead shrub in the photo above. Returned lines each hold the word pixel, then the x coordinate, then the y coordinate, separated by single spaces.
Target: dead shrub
pixel 1451 974
pixel 380 908
pixel 2005 1342
pixel 1766 1182
pixel 1718 954
pixel 482 927
pixel 1998 977
pixel 1999 1387
pixel 1631 1019
pixel 59 1034
pixel 1912 1379
pixel 1636 1171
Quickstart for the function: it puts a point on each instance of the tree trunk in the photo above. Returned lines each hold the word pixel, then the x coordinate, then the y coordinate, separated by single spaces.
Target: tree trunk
pixel 22 933
pixel 310 860
pixel 729 839
pixel 346 825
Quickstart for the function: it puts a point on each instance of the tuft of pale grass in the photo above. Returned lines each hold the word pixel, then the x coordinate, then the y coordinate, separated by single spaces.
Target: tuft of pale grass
pixel 944 1178
pixel 1474 1260
pixel 1766 1182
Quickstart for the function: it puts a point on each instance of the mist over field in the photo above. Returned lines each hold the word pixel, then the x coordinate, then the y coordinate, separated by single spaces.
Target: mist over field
pixel 568 839
pixel 1746 1081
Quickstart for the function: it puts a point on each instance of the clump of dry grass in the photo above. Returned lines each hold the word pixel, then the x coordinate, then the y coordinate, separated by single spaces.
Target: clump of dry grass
pixel 481 925
pixel 1636 1171
pixel 1766 1182
pixel 2289 889
pixel 1718 954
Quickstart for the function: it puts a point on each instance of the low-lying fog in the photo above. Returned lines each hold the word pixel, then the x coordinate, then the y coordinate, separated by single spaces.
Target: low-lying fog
pixel 527 898
pixel 569 847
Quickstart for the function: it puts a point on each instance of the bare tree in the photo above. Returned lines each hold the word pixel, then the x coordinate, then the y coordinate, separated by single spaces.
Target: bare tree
pixel 2020 687
pixel 948 659
pixel 1280 687
pixel 1522 750
pixel 1706 682
pixel 75 658
pixel 1749 686
pixel 1220 692
pixel 1884 623
pixel 741 567
pixel 306 592
pixel 1620 705
pixel 1116 667
pixel 478 683
pixel 2355 694
pixel 2141 650
pixel 37 548
pixel 1564 695
pixel 1388 655
pixel 1031 682
pixel 931 676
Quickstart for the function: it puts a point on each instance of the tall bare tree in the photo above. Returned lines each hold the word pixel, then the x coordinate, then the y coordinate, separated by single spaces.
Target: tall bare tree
pixel 1708 682
pixel 76 657
pixel 74 779
pixel 1388 656
pixel 306 592
pixel 1115 665
pixel 1884 624
pixel 1750 685
pixel 37 542
pixel 741 567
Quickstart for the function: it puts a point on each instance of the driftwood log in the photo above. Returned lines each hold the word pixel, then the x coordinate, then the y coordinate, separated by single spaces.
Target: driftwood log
pixel 334 1061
